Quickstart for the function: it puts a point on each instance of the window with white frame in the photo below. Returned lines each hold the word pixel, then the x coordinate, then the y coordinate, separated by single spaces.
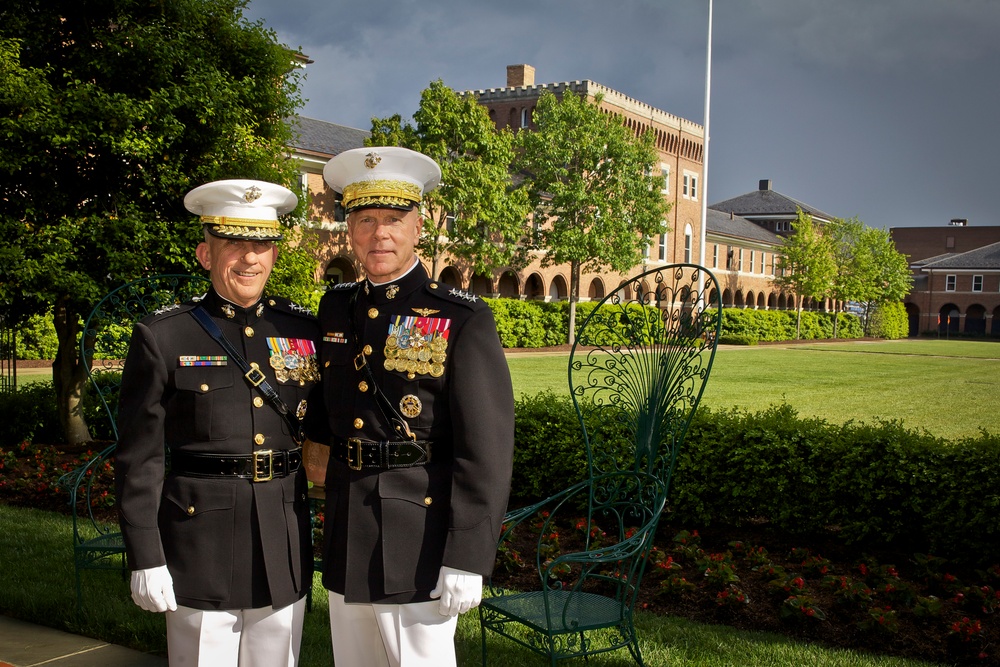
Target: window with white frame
pixel 739 265
pixel 753 260
pixel 977 283
pixel 688 236
pixel 715 255
pixel 690 187
pixel 949 283
pixel 663 246
pixel 525 117
pixel 665 172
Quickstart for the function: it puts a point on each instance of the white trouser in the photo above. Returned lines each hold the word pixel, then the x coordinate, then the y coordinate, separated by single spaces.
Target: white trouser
pixel 264 637
pixel 391 635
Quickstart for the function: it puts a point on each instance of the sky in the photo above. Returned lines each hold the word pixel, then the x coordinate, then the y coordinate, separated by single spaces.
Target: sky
pixel 883 110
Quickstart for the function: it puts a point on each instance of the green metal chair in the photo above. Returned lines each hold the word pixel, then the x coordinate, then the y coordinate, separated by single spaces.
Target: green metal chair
pixel 97 542
pixel 637 372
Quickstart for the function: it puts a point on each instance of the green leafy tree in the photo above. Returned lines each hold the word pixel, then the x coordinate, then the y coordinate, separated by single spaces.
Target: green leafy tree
pixel 476 215
pixel 847 279
pixel 884 273
pixel 590 182
pixel 807 266
pixel 109 113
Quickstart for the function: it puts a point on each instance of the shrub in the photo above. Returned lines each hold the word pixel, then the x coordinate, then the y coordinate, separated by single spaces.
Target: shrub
pixel 36 338
pixel 868 484
pixel 30 414
pixel 889 321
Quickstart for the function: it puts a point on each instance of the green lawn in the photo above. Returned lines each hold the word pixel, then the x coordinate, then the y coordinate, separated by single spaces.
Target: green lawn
pixel 946 387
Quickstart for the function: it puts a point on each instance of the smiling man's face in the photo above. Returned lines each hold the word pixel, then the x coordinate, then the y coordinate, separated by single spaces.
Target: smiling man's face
pixel 239 269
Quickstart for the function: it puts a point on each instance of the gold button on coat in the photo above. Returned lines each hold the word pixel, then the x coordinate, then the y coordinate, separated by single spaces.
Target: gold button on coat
pixel 367 349
pixel 359 422
pixel 326 364
pixel 249 332
pixel 204 387
pixel 190 510
pixel 362 386
pixel 372 313
pixel 258 402
pixel 428 500
pixel 259 438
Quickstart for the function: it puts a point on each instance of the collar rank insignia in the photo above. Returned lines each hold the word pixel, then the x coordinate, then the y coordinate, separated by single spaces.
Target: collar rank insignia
pixel 472 298
pixel 391 291
pixel 260 309
pixel 229 311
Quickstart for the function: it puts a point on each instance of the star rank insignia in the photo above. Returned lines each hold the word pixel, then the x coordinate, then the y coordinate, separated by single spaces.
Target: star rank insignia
pixel 472 298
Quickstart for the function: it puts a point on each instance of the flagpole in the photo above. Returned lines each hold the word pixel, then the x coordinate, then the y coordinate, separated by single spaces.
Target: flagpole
pixel 704 167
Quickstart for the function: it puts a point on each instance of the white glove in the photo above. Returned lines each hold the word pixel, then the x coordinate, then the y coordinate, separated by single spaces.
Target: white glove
pixel 459 591
pixel 153 589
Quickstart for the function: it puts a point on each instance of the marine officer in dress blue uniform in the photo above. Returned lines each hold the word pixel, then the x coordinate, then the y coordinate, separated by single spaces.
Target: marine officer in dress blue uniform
pixel 420 422
pixel 216 523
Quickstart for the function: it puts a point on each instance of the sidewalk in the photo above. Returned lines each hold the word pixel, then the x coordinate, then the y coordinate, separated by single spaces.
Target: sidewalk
pixel 25 644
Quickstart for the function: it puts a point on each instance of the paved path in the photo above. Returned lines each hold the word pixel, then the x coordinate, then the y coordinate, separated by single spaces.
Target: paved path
pixel 26 645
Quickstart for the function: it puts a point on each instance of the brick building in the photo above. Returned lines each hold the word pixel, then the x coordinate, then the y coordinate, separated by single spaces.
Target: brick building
pixel 744 239
pixel 743 234
pixel 956 278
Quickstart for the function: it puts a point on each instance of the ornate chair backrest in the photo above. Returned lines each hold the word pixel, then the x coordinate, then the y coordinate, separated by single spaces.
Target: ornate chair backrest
pixel 639 365
pixel 108 329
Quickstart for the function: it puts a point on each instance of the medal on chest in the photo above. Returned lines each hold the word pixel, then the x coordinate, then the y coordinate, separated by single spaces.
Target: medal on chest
pixel 417 345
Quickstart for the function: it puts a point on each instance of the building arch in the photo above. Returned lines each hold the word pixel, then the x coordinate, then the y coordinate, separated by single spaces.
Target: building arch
pixel 949 319
pixel 339 270
pixel 739 301
pixel 451 277
pixel 727 297
pixel 760 301
pixel 772 301
pixel 482 285
pixel 557 289
pixel 534 287
pixel 750 299
pixel 508 285
pixel 995 326
pixel 975 320
pixel 713 295
pixel 912 318
pixel 596 290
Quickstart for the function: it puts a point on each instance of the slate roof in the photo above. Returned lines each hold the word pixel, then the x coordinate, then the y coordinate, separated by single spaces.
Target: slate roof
pixel 326 138
pixel 986 257
pixel 764 203
pixel 719 222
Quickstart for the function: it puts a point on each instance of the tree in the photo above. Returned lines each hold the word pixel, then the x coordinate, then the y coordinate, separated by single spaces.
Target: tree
pixel 109 113
pixel 477 216
pixel 807 265
pixel 590 181
pixel 883 272
pixel 847 280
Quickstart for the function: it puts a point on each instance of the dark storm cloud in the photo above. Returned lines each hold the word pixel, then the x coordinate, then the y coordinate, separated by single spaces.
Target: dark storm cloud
pixel 878 109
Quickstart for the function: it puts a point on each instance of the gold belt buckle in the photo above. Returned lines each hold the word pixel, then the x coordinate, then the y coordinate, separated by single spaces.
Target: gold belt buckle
pixel 263 458
pixel 353 443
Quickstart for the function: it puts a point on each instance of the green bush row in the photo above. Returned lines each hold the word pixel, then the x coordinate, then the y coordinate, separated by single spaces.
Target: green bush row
pixel 541 323
pixel 877 485
pixel 776 325
pixel 889 321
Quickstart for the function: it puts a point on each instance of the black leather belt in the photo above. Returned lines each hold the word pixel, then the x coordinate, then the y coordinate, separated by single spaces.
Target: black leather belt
pixel 259 466
pixel 362 454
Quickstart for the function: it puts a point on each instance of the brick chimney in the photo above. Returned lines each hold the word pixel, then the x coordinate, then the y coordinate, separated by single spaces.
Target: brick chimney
pixel 520 75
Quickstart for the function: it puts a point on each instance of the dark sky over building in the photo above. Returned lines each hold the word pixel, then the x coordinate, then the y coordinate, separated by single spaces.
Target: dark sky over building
pixel 885 110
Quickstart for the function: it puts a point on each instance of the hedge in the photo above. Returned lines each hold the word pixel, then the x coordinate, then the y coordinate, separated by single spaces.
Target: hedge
pixel 877 485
